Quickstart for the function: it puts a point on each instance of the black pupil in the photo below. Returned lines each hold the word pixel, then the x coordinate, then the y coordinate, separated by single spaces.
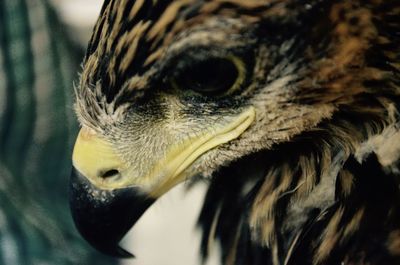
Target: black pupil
pixel 212 76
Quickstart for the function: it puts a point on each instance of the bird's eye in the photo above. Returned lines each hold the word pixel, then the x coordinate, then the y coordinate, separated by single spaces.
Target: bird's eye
pixel 213 76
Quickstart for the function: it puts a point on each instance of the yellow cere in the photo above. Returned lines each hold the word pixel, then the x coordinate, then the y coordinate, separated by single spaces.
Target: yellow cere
pixel 93 156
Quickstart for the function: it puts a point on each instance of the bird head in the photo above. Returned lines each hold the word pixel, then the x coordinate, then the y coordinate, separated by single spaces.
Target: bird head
pixel 174 90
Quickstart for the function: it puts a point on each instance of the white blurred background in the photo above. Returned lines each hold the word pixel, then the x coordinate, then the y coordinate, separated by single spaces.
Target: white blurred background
pixel 166 234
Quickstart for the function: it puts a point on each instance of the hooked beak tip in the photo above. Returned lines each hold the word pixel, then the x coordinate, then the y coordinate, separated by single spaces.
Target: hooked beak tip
pixel 103 217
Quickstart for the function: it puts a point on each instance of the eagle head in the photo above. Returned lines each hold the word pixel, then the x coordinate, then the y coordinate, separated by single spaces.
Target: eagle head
pixel 284 92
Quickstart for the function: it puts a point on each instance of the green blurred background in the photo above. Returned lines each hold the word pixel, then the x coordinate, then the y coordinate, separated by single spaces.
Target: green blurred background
pixel 39 60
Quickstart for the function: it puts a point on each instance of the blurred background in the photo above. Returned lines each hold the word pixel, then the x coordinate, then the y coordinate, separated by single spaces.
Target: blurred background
pixel 42 43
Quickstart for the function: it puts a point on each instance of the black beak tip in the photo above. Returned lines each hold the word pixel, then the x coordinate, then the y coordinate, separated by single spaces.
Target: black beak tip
pixel 117 252
pixel 103 217
pixel 122 253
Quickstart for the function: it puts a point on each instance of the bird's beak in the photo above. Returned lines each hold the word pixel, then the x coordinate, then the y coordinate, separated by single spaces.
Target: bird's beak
pixel 102 216
pixel 106 200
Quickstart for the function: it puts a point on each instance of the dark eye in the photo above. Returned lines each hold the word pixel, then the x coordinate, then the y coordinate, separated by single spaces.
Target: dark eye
pixel 213 76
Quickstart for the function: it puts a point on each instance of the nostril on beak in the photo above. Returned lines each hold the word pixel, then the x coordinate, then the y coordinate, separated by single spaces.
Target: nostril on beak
pixel 109 174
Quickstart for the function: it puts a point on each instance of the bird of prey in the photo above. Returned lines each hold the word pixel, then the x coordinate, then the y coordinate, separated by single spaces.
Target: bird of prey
pixel 289 108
